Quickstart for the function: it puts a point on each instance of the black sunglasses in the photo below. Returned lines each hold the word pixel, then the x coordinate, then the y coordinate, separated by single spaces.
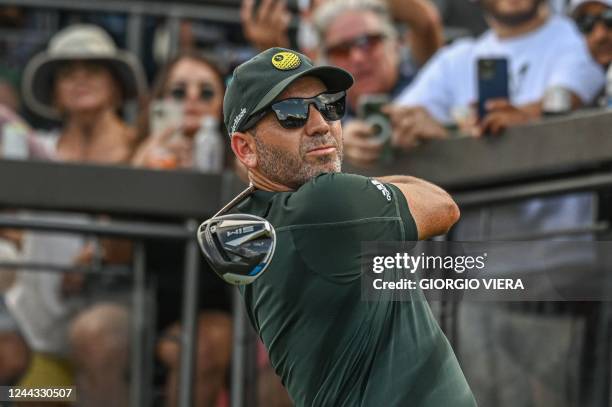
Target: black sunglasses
pixel 178 92
pixel 364 42
pixel 587 22
pixel 293 113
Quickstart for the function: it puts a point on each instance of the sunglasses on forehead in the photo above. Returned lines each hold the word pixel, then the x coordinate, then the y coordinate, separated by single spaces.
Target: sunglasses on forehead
pixel 178 92
pixel 364 42
pixel 293 113
pixel 587 22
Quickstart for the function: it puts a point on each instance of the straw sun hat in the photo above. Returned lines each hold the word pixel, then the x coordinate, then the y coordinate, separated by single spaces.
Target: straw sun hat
pixel 78 42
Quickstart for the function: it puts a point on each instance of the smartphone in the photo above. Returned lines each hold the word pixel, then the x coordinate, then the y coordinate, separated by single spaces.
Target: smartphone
pixel 492 82
pixel 369 110
pixel 164 114
pixel 296 8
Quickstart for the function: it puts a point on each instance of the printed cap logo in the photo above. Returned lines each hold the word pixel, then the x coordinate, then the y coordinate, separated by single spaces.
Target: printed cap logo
pixel 286 61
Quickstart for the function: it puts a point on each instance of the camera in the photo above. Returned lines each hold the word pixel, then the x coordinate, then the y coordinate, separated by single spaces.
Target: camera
pixel 369 110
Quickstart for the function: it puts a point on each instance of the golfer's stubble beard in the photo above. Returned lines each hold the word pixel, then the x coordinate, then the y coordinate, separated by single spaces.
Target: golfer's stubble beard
pixel 294 170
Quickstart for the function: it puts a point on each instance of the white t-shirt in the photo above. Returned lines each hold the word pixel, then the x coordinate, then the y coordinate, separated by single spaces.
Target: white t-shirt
pixel 35 299
pixel 553 55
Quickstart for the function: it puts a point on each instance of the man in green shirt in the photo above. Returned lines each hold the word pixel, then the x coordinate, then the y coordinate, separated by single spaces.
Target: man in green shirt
pixel 330 347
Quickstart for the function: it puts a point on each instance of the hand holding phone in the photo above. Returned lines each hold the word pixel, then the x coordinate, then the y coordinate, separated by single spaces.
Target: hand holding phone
pixel 492 82
pixel 265 23
pixel 165 114
pixel 158 150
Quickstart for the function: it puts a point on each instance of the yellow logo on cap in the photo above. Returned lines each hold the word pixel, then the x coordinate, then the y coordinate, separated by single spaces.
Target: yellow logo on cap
pixel 286 61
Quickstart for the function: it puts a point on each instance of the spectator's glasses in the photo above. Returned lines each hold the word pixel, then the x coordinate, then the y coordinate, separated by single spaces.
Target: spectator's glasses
pixel 587 22
pixel 178 91
pixel 293 113
pixel 365 42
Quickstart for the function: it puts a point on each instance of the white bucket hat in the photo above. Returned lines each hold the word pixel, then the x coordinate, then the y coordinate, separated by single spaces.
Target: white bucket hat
pixel 78 42
pixel 576 4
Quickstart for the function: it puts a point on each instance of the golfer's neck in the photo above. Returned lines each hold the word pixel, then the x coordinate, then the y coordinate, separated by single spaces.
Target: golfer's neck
pixel 265 184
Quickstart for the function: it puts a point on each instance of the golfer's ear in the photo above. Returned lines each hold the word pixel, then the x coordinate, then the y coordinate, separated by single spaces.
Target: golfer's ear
pixel 243 146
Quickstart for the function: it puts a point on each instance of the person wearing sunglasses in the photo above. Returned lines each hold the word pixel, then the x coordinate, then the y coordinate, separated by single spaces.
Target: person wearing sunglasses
pixel 331 348
pixel 193 83
pixel 360 36
pixel 594 20
pixel 191 87
pixel 544 51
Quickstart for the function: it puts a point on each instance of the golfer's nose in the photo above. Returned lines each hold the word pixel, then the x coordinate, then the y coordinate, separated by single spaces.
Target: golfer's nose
pixel 316 123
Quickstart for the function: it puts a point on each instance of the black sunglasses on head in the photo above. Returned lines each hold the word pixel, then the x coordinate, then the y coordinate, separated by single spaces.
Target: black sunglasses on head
pixel 587 22
pixel 206 93
pixel 293 113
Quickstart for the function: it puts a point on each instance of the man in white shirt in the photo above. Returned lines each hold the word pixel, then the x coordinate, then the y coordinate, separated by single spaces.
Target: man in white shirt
pixel 543 50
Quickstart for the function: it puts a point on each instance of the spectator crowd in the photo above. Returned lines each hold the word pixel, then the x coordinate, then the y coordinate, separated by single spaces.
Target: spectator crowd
pixel 416 75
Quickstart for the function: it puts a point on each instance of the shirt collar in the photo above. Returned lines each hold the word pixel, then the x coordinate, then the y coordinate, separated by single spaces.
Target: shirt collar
pixel 258 203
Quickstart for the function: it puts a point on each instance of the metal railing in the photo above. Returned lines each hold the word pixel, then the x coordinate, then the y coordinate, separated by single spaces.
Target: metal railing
pixel 576 151
pixel 140 378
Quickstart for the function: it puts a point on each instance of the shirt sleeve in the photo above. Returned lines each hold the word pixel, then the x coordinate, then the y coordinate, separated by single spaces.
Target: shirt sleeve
pixel 332 216
pixel 343 198
pixel 404 211
pixel 578 72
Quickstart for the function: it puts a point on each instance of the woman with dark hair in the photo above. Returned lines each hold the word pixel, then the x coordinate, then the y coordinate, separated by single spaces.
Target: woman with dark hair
pixel 190 88
pixel 194 85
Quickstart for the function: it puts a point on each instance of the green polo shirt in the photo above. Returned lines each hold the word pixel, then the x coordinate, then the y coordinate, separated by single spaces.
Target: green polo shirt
pixel 330 347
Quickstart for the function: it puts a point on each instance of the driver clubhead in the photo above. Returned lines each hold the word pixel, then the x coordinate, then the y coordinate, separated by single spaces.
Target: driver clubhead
pixel 239 247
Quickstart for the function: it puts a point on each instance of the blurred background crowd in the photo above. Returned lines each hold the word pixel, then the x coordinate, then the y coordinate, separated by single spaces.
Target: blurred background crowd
pixel 76 86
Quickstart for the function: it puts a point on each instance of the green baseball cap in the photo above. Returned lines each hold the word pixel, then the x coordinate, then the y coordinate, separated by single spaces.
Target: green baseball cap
pixel 257 83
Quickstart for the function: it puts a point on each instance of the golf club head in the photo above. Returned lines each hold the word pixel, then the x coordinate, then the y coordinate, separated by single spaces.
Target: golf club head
pixel 239 247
